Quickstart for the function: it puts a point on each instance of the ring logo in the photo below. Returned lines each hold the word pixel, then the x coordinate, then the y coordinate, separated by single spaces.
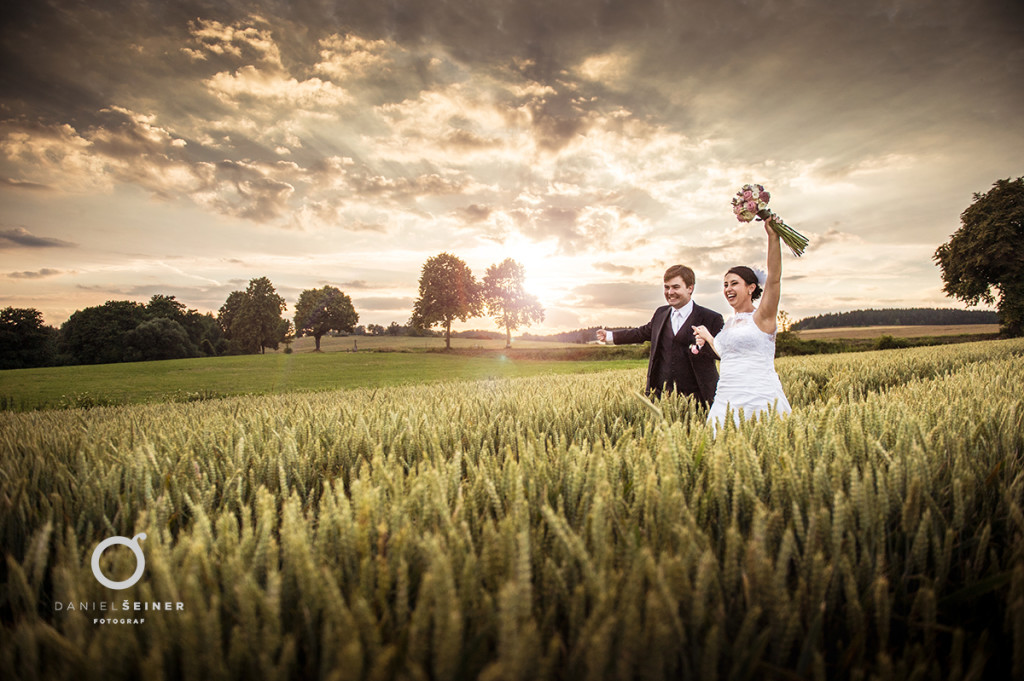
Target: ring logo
pixel 140 559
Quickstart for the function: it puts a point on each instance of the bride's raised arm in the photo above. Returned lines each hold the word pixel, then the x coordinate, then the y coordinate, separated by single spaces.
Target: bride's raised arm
pixel 768 310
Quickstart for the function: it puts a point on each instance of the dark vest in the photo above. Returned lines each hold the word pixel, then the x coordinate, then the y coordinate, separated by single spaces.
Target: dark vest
pixel 673 369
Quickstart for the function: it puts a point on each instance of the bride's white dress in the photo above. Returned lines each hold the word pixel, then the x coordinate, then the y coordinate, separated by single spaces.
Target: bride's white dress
pixel 747 379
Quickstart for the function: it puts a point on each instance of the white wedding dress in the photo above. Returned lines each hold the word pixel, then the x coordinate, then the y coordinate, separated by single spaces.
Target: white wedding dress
pixel 747 379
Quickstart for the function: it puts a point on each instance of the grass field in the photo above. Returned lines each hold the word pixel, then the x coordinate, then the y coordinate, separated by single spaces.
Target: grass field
pixel 186 380
pixel 855 332
pixel 413 343
pixel 546 527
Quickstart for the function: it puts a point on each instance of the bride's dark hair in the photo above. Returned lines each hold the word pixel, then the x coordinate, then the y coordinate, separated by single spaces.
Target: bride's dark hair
pixel 747 275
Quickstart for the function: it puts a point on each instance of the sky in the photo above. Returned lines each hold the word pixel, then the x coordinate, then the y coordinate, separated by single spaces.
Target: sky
pixel 184 148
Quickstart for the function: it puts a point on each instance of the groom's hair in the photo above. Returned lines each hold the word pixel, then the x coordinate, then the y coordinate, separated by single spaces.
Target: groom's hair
pixel 681 271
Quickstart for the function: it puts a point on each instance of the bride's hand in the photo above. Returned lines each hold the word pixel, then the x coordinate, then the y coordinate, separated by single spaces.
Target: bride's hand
pixel 702 335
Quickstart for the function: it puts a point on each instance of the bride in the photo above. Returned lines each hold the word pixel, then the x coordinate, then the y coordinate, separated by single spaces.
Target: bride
pixel 746 344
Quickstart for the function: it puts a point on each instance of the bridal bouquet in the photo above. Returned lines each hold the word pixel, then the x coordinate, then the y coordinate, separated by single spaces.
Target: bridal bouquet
pixel 752 202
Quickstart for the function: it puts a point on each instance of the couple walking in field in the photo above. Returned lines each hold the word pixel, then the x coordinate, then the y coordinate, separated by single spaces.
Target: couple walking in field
pixel 687 338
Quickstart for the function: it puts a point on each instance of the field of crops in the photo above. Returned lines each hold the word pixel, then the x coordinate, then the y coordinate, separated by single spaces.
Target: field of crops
pixel 533 528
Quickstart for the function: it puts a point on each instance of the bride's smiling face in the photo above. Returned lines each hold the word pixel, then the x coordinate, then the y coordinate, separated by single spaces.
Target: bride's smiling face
pixel 737 292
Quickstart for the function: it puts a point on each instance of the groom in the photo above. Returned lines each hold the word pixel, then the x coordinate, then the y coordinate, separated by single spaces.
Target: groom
pixel 673 365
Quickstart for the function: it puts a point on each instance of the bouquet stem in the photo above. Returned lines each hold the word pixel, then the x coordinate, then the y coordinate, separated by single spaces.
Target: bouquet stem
pixel 796 241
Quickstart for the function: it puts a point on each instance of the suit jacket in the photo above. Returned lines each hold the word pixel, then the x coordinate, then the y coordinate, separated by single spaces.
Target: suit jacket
pixel 665 360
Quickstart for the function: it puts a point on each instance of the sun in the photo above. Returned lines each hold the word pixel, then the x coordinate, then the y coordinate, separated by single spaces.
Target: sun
pixel 544 269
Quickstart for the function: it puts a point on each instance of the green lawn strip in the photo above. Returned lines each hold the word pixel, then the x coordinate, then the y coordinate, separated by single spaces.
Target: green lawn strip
pixel 205 378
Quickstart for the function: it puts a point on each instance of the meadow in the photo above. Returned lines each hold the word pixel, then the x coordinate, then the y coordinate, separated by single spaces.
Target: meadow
pixel 190 380
pixel 546 527
pixel 416 343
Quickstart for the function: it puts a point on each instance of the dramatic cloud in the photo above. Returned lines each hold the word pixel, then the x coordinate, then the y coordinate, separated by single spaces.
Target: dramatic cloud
pixel 354 140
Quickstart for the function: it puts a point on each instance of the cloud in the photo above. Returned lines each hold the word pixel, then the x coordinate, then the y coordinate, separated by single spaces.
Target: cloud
pixel 474 213
pixel 245 190
pixel 273 90
pixel 241 39
pixel 39 274
pixel 383 303
pixel 609 68
pixel 735 247
pixel 53 155
pixel 623 295
pixel 19 237
pixel 614 269
pixel 345 57
pixel 19 184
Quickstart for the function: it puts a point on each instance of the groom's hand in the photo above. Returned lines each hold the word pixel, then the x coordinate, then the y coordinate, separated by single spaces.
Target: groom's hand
pixel 602 335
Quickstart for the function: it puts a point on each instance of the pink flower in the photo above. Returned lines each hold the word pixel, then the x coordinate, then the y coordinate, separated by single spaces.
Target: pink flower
pixel 765 196
pixel 751 206
pixel 747 194
pixel 738 208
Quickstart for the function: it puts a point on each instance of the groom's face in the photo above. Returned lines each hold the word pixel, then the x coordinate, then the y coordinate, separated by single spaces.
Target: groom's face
pixel 677 293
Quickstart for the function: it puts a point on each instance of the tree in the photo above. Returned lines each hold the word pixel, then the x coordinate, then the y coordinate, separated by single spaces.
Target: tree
pixel 985 254
pixel 24 340
pixel 204 332
pixel 322 310
pixel 251 319
pixel 448 292
pixel 96 335
pixel 783 321
pixel 230 311
pixel 284 334
pixel 506 300
pixel 167 307
pixel 158 338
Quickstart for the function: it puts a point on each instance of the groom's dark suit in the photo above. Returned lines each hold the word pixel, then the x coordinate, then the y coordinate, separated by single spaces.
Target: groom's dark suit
pixel 672 366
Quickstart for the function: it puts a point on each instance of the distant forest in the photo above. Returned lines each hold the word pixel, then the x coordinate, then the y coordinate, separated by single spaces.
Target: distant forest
pixel 918 316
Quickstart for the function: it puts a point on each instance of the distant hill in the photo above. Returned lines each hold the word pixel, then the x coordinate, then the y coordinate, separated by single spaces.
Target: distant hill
pixel 917 316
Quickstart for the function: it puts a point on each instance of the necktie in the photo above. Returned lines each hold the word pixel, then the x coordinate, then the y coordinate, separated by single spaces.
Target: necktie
pixel 677 321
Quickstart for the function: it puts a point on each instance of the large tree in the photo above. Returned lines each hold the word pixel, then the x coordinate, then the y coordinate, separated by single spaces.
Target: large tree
pixel 448 292
pixel 984 259
pixel 24 340
pixel 96 335
pixel 507 301
pixel 322 310
pixel 251 319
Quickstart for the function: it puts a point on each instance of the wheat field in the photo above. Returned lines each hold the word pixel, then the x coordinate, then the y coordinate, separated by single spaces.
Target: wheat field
pixel 536 528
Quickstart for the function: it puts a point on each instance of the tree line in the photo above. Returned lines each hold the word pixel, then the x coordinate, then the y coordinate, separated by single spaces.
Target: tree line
pixel 918 316
pixel 251 321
